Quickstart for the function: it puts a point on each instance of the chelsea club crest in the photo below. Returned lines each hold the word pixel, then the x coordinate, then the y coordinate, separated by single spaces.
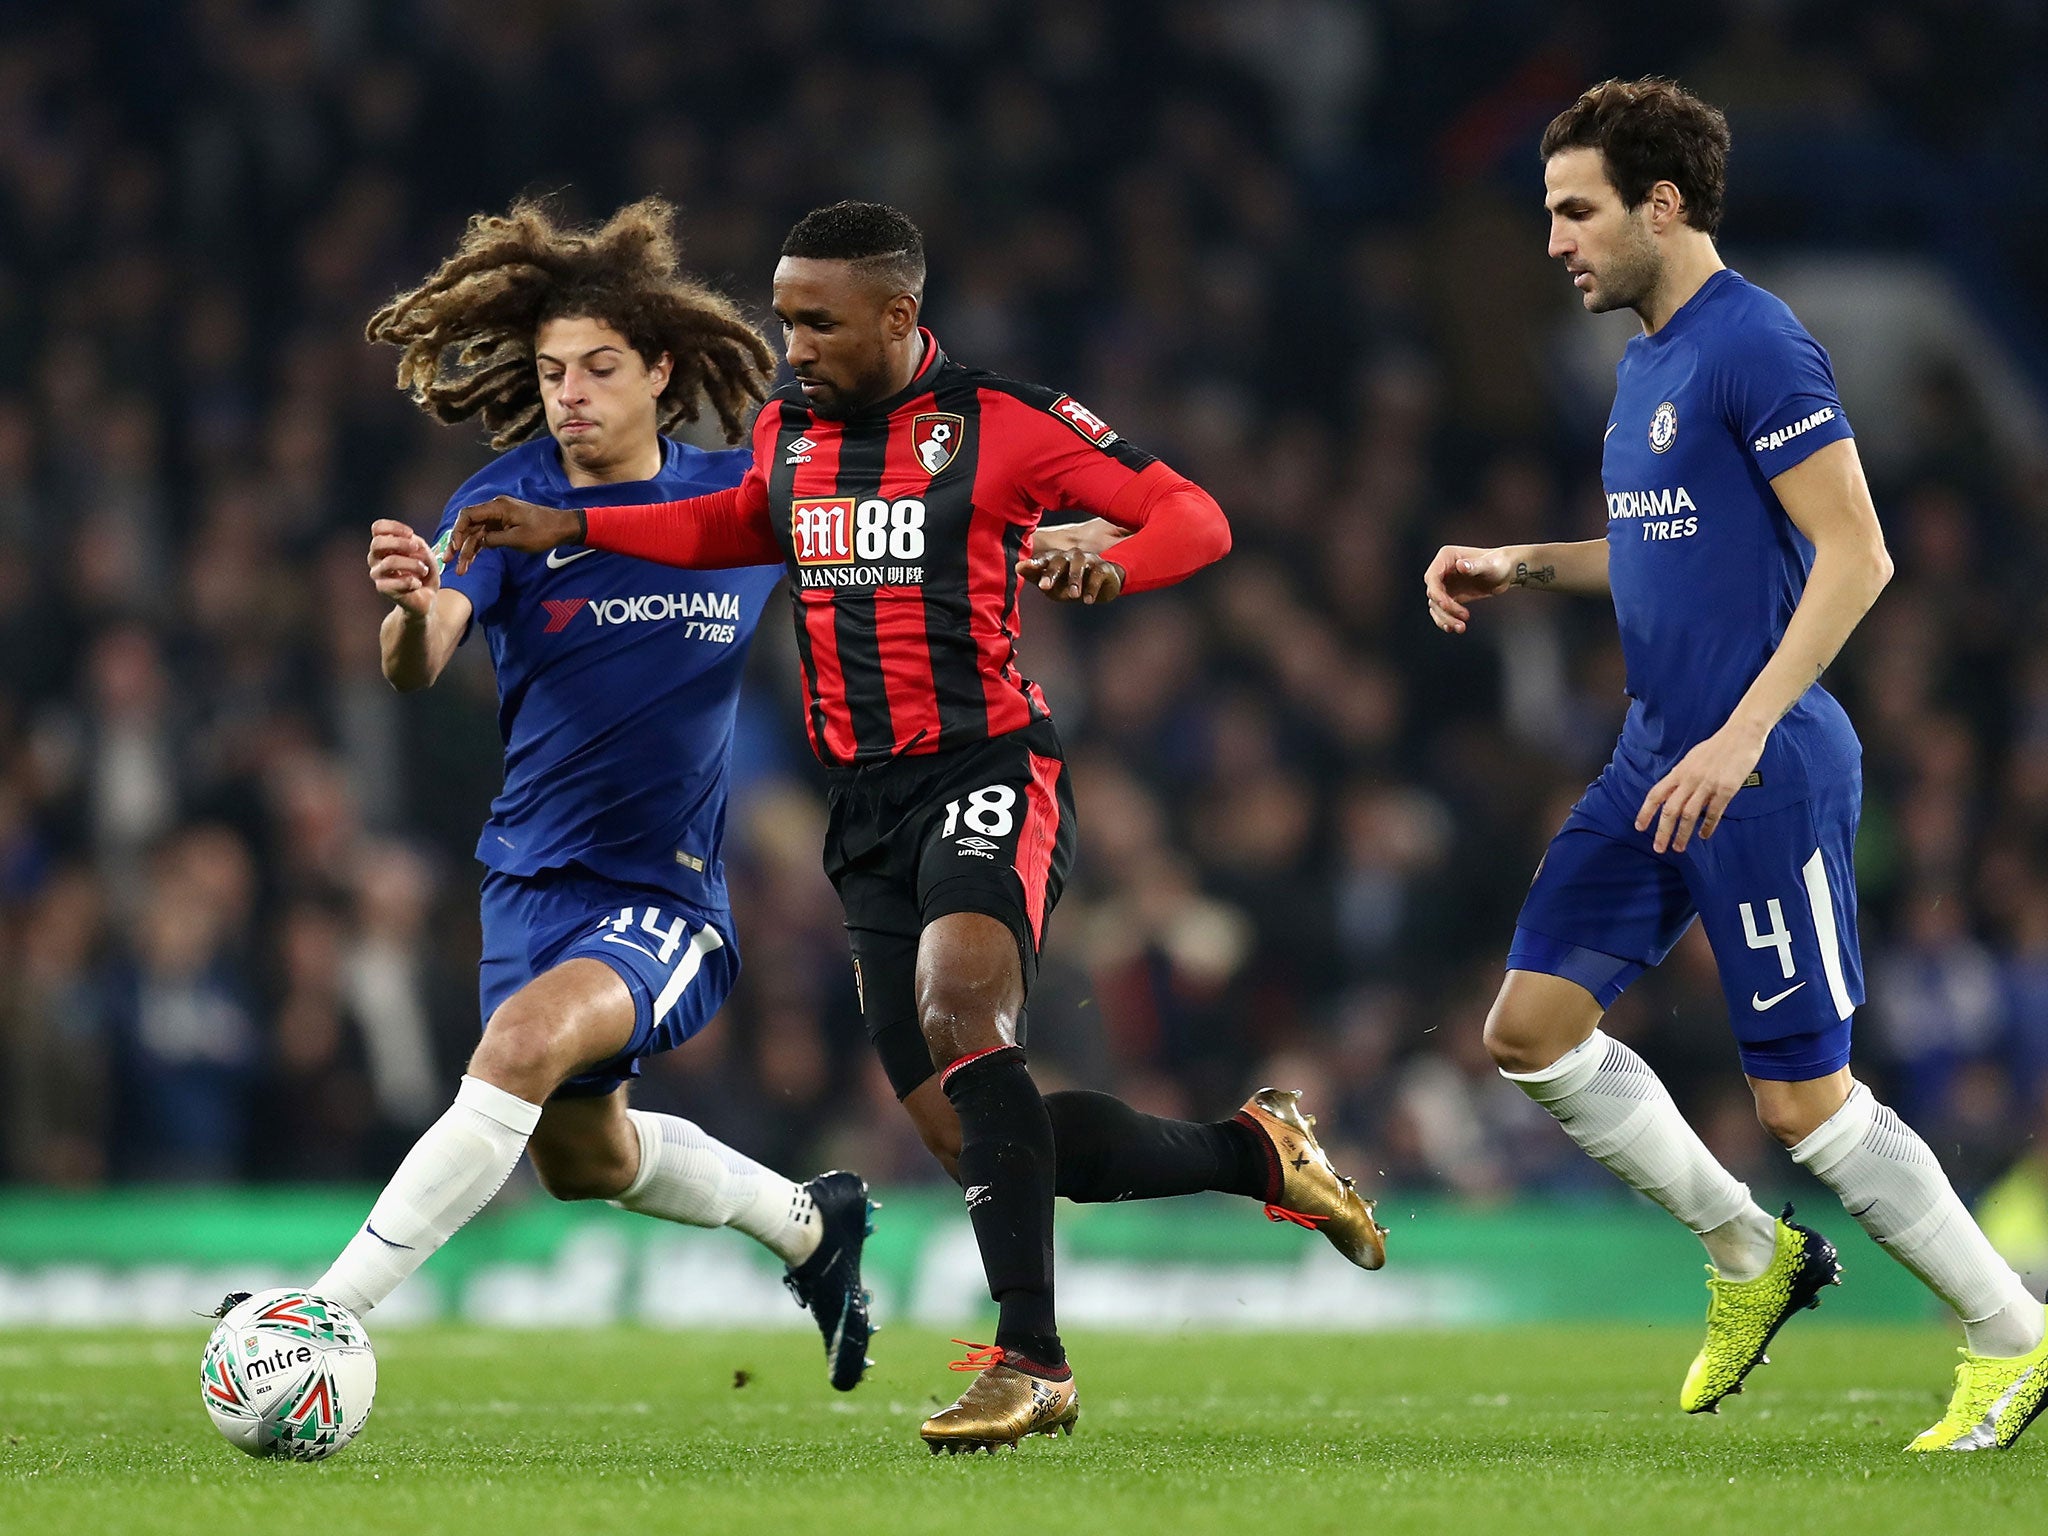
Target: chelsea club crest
pixel 1663 427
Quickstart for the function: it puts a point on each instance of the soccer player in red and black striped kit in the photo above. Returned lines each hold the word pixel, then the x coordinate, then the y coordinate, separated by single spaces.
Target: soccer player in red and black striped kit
pixel 901 492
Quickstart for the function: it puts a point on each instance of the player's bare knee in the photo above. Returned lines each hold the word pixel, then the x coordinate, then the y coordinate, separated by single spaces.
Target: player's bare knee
pixel 1517 1043
pixel 580 1172
pixel 969 986
pixel 520 1053
pixel 1788 1120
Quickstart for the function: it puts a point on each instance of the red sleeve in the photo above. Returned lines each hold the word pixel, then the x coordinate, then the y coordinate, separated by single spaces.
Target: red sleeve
pixel 1065 457
pixel 715 532
pixel 1180 529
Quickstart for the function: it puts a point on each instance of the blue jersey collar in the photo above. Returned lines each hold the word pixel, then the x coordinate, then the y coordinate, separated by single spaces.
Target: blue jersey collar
pixel 1686 314
pixel 558 478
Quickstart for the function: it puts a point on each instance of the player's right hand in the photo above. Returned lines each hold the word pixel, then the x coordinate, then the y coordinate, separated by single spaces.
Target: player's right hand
pixel 403 566
pixel 505 522
pixel 1461 575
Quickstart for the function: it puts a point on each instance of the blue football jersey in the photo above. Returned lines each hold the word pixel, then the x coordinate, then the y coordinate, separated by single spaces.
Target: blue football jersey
pixel 1704 565
pixel 618 682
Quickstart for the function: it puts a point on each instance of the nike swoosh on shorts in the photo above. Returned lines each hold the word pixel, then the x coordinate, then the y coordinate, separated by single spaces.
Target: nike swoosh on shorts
pixel 1764 1004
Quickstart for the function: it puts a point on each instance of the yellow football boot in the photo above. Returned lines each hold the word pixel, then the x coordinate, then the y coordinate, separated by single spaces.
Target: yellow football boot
pixel 1312 1193
pixel 1743 1316
pixel 1000 1406
pixel 1994 1400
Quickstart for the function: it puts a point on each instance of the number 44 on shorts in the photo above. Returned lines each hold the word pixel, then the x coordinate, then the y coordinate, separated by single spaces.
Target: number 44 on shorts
pixel 671 939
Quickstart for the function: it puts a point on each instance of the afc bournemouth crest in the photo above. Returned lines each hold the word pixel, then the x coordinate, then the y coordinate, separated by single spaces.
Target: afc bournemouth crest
pixel 935 438
pixel 1663 427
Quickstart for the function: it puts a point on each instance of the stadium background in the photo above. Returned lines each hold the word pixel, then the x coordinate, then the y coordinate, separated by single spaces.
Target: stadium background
pixel 1294 246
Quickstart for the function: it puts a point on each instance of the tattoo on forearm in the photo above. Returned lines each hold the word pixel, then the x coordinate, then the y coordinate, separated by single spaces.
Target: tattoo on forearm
pixel 1527 575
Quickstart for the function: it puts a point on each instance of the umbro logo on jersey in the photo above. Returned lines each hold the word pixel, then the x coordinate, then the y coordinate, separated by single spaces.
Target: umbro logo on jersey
pixel 799 451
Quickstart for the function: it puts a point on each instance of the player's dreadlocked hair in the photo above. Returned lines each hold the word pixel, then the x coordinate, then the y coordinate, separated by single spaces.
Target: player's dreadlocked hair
pixel 1651 130
pixel 873 236
pixel 468 331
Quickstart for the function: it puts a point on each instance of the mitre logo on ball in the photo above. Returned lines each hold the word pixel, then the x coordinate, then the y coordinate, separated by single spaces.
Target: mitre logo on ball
pixel 935 437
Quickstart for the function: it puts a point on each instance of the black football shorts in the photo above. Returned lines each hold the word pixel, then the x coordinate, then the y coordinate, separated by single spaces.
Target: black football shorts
pixel 985 828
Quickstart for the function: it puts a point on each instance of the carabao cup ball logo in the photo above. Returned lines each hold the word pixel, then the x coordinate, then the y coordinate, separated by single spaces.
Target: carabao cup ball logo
pixel 1663 427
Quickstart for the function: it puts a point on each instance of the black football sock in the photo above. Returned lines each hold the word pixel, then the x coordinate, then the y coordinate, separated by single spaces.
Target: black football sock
pixel 1006 1170
pixel 1110 1151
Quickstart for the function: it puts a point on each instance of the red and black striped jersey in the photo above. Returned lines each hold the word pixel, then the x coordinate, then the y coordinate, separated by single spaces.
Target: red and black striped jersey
pixel 901 526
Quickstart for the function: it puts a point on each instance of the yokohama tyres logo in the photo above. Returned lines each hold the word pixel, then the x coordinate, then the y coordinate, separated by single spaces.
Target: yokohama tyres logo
pixel 650 608
pixel 560 611
pixel 1083 421
pixel 819 531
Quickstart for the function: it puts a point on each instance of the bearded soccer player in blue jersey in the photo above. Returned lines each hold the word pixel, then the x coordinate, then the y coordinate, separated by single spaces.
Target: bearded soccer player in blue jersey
pixel 607 933
pixel 1741 551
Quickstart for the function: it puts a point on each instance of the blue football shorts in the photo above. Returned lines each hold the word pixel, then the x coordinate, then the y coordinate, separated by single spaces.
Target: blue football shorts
pixel 1777 893
pixel 676 959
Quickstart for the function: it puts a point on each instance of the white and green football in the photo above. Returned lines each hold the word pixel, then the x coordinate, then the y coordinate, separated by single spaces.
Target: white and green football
pixel 288 1373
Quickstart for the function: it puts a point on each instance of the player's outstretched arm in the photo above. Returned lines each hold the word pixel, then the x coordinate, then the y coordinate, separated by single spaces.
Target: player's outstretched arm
pixel 426 621
pixel 1828 500
pixel 505 522
pixel 1461 575
pixel 716 532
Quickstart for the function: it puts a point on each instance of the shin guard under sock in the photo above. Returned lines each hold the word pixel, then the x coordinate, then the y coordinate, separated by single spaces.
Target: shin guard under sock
pixel 1006 1171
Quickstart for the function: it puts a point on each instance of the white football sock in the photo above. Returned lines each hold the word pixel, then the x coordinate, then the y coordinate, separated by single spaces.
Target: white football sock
pixel 449 1175
pixel 1619 1112
pixel 1889 1180
pixel 688 1177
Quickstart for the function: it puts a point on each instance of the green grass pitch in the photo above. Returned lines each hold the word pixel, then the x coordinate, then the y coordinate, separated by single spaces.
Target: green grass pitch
pixel 624 1430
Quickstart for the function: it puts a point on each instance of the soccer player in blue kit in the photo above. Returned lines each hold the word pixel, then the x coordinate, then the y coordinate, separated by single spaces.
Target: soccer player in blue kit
pixel 607 933
pixel 1742 549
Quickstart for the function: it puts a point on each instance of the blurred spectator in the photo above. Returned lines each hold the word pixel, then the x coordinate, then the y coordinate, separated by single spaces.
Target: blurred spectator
pixel 1293 246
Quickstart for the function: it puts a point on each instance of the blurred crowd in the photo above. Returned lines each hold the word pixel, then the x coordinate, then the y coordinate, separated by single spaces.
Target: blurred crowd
pixel 1293 246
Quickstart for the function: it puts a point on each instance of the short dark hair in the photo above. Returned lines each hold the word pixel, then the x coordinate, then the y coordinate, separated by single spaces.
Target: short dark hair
pixel 874 236
pixel 1651 130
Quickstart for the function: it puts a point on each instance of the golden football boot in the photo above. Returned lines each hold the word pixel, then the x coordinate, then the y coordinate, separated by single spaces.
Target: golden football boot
pixel 1000 1406
pixel 1312 1193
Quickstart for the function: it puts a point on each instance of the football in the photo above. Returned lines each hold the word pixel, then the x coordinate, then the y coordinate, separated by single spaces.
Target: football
pixel 288 1373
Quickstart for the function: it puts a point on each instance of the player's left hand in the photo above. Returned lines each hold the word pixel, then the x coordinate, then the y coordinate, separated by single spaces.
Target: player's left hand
pixel 1073 576
pixel 1696 792
pixel 1094 534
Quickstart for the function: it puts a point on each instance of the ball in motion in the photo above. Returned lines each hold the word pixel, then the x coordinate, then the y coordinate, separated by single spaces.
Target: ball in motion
pixel 288 1373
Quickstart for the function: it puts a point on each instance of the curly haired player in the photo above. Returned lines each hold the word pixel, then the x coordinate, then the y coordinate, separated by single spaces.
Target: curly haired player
pixel 607 933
